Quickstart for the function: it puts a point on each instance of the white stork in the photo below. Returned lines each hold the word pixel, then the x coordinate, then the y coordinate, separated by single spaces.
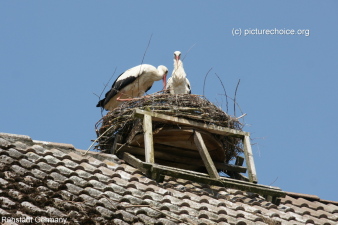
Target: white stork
pixel 178 83
pixel 133 83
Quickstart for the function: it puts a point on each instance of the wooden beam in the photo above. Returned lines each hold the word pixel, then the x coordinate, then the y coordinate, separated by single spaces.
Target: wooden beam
pixel 249 160
pixel 175 120
pixel 209 164
pixel 223 182
pixel 148 139
pixel 132 160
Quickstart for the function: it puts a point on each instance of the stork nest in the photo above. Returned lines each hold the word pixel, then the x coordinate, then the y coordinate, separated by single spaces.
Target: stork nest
pixel 121 121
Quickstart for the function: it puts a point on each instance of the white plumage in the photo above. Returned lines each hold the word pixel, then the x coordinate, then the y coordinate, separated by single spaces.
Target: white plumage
pixel 133 83
pixel 178 83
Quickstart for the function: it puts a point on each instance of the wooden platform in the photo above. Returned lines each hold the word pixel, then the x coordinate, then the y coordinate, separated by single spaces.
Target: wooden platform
pixel 188 145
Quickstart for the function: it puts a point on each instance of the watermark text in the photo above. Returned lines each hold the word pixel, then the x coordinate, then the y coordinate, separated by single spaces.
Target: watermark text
pixel 274 31
pixel 38 219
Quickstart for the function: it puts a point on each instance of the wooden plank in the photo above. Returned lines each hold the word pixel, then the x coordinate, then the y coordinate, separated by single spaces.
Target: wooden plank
pixel 186 135
pixel 132 160
pixel 182 138
pixel 175 120
pixel 166 156
pixel 223 182
pixel 249 160
pixel 209 164
pixel 173 150
pixel 148 139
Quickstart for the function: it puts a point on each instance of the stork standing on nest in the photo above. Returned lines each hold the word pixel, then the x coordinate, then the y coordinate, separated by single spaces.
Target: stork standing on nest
pixel 133 83
pixel 178 83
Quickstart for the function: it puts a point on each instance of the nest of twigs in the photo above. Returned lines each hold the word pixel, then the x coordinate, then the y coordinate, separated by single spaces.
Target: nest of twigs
pixel 121 120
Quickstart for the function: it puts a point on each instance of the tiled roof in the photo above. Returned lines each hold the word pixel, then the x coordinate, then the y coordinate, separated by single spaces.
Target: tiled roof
pixel 50 180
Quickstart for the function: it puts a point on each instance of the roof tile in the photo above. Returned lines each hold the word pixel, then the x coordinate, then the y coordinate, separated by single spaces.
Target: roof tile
pixel 74 189
pixel 53 185
pixel 166 221
pixel 24 187
pixel 78 181
pixel 15 195
pixel 97 184
pixel 126 216
pixel 105 171
pixel 119 222
pixel 5 144
pixel 65 171
pixel 58 177
pixel 111 165
pixel 53 212
pixel 59 154
pixel 70 164
pixel 3 182
pixel 6 203
pixel 77 158
pixel 146 219
pixel 39 174
pixel 14 153
pixel 95 162
pixel 109 203
pixel 6 159
pixel 112 196
pixel 3 212
pixel 132 200
pixel 102 177
pixel 19 170
pixel 332 208
pixel 89 168
pixel 33 157
pixel 171 199
pixel 52 160
pixel 93 192
pixel 88 200
pixel 105 212
pixel 38 150
pixel 45 167
pixel 30 208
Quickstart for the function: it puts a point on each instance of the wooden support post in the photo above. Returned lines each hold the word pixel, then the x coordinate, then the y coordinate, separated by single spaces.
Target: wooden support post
pixel 239 161
pixel 209 164
pixel 148 139
pixel 117 141
pixel 249 159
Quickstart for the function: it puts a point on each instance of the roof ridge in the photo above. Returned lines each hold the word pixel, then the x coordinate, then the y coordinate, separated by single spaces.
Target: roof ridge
pixel 310 197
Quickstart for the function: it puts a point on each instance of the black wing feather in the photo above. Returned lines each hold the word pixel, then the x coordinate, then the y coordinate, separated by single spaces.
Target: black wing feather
pixel 117 86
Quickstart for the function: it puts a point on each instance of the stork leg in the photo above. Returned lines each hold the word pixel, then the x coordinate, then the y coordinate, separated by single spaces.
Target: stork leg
pixel 125 99
pixel 122 100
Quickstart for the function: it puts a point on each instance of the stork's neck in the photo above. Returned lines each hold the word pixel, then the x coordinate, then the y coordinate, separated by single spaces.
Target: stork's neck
pixel 178 73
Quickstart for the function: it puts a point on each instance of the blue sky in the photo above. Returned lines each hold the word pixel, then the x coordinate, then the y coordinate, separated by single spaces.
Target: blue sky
pixel 55 54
